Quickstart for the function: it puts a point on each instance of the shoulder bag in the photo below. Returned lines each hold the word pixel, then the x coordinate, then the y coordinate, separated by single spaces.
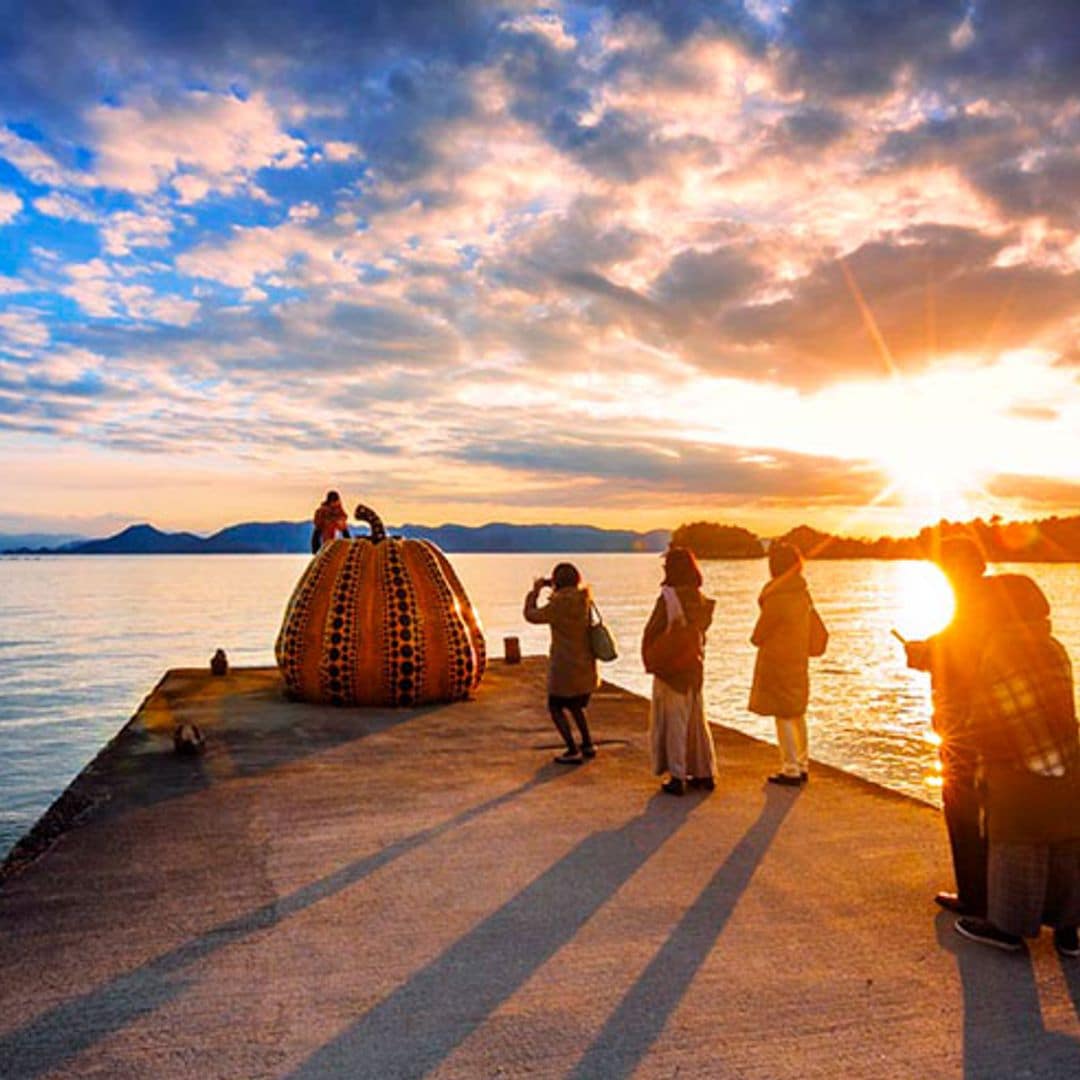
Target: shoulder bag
pixel 601 639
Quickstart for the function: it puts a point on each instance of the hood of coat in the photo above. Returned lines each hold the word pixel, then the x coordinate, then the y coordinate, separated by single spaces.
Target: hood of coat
pixel 697 607
pixel 571 597
pixel 789 584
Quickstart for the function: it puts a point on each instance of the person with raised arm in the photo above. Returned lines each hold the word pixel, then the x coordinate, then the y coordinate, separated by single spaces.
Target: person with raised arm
pixel 951 658
pixel 572 674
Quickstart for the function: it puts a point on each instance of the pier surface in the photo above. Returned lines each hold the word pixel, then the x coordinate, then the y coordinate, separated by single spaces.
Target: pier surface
pixel 346 893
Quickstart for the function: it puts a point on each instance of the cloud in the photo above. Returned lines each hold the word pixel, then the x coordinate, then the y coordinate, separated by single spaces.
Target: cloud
pixel 33 160
pixel 219 139
pixel 9 285
pixel 126 230
pixel 1044 492
pixel 10 205
pixel 679 468
pixel 22 329
pixel 101 291
pixel 849 48
pixel 927 291
pixel 57 204
pixel 337 150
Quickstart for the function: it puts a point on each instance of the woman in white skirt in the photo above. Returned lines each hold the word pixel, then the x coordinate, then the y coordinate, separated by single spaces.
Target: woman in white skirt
pixel 673 648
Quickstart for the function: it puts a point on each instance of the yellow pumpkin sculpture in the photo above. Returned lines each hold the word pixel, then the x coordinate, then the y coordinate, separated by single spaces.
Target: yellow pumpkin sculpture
pixel 380 621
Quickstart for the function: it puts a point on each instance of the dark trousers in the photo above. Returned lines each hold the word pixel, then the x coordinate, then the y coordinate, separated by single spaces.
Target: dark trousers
pixel 962 802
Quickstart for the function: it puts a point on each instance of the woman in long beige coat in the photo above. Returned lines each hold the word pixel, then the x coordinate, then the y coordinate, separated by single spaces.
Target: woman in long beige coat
pixel 679 738
pixel 781 687
pixel 572 675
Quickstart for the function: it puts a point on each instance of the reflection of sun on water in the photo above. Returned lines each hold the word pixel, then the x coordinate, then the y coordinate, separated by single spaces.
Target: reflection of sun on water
pixel 926 601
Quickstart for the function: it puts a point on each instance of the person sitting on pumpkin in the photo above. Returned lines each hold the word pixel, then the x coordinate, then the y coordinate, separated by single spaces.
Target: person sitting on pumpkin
pixel 331 522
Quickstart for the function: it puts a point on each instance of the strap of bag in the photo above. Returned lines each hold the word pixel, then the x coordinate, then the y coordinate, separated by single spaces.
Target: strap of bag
pixel 673 604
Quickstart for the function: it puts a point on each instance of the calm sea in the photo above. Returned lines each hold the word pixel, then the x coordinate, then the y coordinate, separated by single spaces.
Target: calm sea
pixel 83 639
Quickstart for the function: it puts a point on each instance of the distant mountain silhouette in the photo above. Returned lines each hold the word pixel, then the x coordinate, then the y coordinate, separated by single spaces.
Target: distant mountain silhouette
pixel 285 537
pixel 1053 539
pixel 141 540
pixel 34 540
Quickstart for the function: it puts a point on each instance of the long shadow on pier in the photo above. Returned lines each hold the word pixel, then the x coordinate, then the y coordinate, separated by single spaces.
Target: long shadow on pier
pixel 413 1029
pixel 1004 1033
pixel 634 1026
pixel 68 1029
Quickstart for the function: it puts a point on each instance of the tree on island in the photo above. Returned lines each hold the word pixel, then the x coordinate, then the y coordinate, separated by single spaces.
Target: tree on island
pixel 708 540
pixel 1051 539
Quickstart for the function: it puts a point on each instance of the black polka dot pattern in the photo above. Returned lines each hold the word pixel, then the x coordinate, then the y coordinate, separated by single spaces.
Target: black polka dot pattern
pixel 403 637
pixel 341 637
pixel 288 648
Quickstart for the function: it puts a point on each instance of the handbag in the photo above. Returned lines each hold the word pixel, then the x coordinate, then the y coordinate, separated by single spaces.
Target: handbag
pixel 679 650
pixel 819 635
pixel 601 639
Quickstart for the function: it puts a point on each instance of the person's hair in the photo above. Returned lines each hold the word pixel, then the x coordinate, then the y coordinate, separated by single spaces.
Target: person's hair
pixel 565 576
pixel 681 568
pixel 961 554
pixel 784 557
pixel 333 496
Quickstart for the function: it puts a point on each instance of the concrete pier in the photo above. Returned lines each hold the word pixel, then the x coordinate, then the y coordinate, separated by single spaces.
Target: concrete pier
pixel 346 893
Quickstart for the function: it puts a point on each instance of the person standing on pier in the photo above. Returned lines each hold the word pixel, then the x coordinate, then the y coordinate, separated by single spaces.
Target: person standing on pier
pixel 331 522
pixel 782 635
pixel 1023 724
pixel 673 650
pixel 572 674
pixel 951 657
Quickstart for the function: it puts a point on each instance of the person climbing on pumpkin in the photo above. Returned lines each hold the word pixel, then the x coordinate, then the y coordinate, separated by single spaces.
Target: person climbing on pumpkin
pixel 572 675
pixel 331 522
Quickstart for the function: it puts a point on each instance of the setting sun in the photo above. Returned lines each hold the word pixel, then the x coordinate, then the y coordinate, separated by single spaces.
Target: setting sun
pixel 926 601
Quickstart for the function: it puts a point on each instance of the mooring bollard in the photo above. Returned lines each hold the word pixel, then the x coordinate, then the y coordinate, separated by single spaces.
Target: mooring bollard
pixel 512 648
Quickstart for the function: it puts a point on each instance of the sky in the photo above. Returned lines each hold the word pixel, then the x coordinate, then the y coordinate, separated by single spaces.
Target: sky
pixel 630 262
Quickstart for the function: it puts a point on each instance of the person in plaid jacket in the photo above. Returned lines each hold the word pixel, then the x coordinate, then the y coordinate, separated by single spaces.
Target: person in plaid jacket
pixel 1023 724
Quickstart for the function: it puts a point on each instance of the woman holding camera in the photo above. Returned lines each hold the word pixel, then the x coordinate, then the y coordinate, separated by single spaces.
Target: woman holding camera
pixel 572 675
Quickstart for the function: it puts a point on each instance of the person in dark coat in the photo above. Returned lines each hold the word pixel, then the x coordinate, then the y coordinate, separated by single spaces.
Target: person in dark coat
pixel 951 657
pixel 572 674
pixel 781 686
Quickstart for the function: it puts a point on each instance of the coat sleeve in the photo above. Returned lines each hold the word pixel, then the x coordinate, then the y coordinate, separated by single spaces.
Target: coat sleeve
pixel 768 621
pixel 919 654
pixel 533 612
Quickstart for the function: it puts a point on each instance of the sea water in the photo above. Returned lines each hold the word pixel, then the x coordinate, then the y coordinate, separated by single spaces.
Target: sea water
pixel 84 638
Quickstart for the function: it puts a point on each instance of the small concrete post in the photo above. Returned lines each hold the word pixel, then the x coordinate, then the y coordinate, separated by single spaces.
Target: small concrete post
pixel 512 648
